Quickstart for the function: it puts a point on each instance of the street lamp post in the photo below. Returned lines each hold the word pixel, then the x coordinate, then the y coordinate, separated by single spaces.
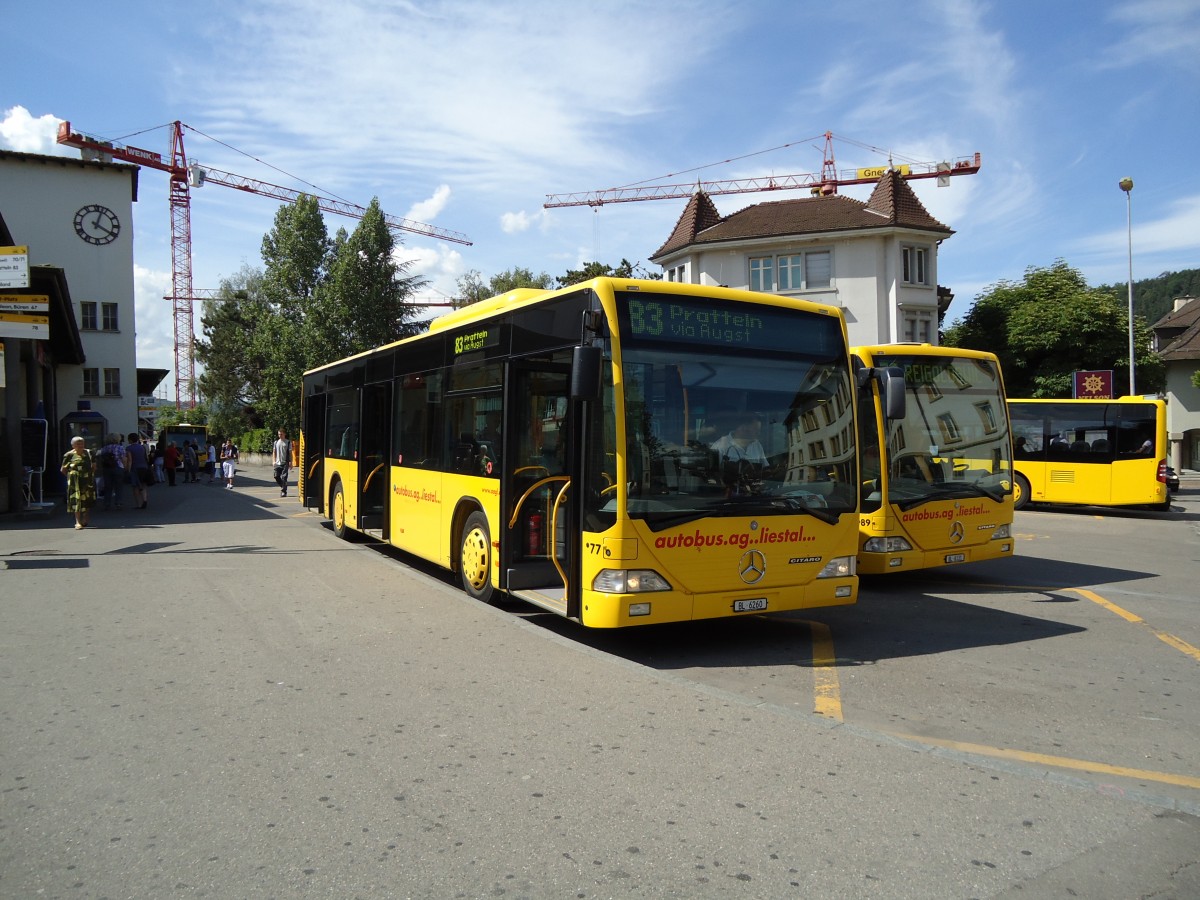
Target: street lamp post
pixel 1126 185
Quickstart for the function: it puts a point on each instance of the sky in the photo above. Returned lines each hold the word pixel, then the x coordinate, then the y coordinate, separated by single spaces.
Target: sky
pixel 466 114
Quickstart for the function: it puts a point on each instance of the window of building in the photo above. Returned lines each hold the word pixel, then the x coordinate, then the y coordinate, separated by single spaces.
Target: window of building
pixel 762 273
pixel 806 270
pixel 987 416
pixel 112 382
pixel 91 382
pixel 677 273
pixel 109 319
pixel 918 326
pixel 87 315
pixel 915 262
pixel 949 428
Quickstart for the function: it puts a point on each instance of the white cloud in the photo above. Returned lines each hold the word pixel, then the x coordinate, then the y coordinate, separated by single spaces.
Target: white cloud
pixel 21 132
pixel 516 222
pixel 155 324
pixel 427 210
pixel 1159 32
pixel 440 265
pixel 1178 230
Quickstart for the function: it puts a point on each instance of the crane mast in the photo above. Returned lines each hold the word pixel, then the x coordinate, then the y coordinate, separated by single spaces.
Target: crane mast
pixel 183 177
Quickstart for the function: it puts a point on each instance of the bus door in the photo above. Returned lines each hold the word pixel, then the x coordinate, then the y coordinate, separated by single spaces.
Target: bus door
pixel 312 453
pixel 374 452
pixel 542 535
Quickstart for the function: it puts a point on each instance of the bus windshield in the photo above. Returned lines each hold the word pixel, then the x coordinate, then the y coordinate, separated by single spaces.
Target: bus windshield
pixel 755 423
pixel 954 439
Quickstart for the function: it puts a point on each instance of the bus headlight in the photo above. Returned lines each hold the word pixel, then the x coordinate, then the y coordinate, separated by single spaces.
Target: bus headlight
pixel 1002 533
pixel 629 581
pixel 838 567
pixel 886 545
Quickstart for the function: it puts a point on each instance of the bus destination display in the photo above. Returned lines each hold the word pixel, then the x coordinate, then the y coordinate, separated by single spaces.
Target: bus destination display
pixel 711 322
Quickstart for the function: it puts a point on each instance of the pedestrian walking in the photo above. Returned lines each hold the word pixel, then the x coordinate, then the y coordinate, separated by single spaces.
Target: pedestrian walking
pixel 137 464
pixel 171 462
pixel 210 461
pixel 159 460
pixel 281 460
pixel 229 456
pixel 80 469
pixel 110 469
pixel 190 461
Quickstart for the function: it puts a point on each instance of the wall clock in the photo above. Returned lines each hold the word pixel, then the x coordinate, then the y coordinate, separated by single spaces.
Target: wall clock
pixel 97 224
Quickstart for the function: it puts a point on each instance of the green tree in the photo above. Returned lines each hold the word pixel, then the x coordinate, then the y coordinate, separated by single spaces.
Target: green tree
pixel 1154 297
pixel 290 328
pixel 366 300
pixel 592 270
pixel 231 356
pixel 1051 324
pixel 472 288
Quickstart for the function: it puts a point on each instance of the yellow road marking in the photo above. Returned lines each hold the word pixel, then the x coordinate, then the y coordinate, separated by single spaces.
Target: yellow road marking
pixel 1060 762
pixel 1169 639
pixel 827 690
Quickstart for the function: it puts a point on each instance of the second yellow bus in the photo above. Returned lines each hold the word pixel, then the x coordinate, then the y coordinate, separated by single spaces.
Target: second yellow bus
pixel 937 482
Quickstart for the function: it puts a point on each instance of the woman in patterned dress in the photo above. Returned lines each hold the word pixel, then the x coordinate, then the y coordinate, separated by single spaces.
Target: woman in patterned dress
pixel 80 469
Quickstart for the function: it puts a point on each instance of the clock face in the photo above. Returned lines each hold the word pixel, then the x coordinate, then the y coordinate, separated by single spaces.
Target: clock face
pixel 97 224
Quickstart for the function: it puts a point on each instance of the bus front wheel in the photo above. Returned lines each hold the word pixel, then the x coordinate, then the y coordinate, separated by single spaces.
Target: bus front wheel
pixel 1020 491
pixel 337 511
pixel 475 560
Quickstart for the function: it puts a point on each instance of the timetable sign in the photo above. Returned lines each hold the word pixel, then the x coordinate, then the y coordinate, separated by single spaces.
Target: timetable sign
pixel 14 267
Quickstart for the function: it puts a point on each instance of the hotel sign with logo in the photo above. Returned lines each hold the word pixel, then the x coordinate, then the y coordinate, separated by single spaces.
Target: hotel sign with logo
pixel 1094 385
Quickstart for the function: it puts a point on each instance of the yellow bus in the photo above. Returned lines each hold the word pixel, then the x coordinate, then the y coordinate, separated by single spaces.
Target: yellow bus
pixel 618 452
pixel 182 431
pixel 937 480
pixel 1093 452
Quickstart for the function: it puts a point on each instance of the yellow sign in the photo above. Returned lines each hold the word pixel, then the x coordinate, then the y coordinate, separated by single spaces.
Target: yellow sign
pixel 38 304
pixel 16 325
pixel 880 171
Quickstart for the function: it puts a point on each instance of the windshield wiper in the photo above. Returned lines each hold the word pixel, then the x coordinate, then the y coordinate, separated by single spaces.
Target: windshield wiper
pixel 763 504
pixel 749 506
pixel 941 491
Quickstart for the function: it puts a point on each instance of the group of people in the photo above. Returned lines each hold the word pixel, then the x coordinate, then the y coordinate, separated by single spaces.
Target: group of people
pixel 131 461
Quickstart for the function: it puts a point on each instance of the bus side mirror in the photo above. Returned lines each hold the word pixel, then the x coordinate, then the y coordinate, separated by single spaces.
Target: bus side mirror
pixel 585 373
pixel 895 401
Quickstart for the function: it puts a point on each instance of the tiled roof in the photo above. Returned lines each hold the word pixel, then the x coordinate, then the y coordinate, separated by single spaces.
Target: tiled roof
pixel 1182 328
pixel 698 215
pixel 892 203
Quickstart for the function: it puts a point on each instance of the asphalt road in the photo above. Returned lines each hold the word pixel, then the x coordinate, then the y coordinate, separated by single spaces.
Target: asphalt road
pixel 216 697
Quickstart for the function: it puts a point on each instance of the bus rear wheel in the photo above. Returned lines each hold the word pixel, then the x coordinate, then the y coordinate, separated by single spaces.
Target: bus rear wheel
pixel 475 558
pixel 1020 491
pixel 337 511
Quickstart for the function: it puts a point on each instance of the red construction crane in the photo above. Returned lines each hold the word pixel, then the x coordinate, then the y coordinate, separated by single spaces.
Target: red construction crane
pixel 183 178
pixel 827 182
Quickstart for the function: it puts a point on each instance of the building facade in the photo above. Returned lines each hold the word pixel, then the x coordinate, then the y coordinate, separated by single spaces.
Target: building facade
pixel 77 216
pixel 877 260
pixel 1177 340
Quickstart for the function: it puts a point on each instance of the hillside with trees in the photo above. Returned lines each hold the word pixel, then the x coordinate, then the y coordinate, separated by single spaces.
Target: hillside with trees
pixel 1153 298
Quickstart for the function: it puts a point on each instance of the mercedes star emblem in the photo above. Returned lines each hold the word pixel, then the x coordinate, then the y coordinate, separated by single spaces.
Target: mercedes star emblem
pixel 752 566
